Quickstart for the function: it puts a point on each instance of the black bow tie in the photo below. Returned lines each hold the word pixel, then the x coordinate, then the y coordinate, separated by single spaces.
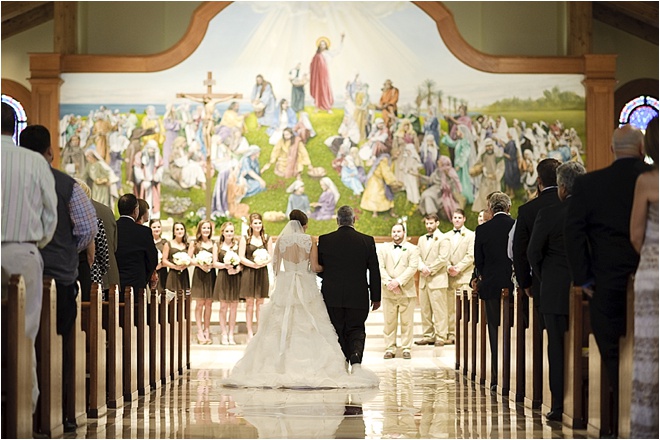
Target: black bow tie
pixel 429 236
pixel 397 246
pixel 457 231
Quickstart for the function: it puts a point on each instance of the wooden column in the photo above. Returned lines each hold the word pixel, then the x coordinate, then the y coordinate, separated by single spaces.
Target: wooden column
pixel 599 85
pixel 65 38
pixel 46 83
pixel 579 28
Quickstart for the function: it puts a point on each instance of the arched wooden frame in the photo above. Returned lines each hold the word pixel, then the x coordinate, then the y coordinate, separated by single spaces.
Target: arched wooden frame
pixel 20 93
pixel 598 71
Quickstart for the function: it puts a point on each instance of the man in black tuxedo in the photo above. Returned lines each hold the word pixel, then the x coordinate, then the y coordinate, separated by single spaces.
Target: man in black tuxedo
pixel 547 256
pixel 547 183
pixel 494 266
pixel 346 256
pixel 136 253
pixel 597 237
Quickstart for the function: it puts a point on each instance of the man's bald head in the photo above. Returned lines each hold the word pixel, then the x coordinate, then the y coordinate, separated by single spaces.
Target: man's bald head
pixel 627 141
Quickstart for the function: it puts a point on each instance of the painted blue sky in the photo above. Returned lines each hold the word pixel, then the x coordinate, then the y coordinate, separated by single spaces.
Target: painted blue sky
pixel 394 40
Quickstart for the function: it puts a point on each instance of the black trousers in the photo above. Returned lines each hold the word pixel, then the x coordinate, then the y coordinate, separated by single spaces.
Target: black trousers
pixel 349 324
pixel 493 307
pixel 556 325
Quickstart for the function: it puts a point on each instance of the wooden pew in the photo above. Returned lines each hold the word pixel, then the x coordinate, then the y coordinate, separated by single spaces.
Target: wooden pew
pixel 155 352
pixel 187 313
pixel 483 350
pixel 533 359
pixel 172 308
pixel 504 344
pixel 517 383
pixel 599 420
pixel 165 335
pixel 129 346
pixel 181 331
pixel 472 334
pixel 76 405
pixel 576 379
pixel 460 343
pixel 92 324
pixel 143 347
pixel 626 363
pixel 49 365
pixel 16 362
pixel 114 348
pixel 465 329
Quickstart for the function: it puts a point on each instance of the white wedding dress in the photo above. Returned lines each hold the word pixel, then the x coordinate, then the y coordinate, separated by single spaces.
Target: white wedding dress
pixel 296 345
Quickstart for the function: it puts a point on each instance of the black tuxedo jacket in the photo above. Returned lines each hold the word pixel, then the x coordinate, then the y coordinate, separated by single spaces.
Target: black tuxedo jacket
pixel 136 254
pixel 490 256
pixel 346 255
pixel 597 230
pixel 547 255
pixel 524 226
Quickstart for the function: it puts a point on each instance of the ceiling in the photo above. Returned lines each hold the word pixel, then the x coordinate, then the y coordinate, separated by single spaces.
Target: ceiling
pixel 636 18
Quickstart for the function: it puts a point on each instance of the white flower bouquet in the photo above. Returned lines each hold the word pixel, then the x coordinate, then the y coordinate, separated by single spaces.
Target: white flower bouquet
pixel 232 258
pixel 260 256
pixel 181 259
pixel 160 256
pixel 203 257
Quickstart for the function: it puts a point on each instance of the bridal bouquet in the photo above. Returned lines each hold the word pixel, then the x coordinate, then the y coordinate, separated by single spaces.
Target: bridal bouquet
pixel 232 258
pixel 204 257
pixel 181 259
pixel 160 256
pixel 260 256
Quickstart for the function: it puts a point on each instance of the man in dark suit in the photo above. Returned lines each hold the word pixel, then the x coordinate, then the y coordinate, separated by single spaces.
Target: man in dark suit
pixel 597 237
pixel 547 183
pixel 547 256
pixel 346 256
pixel 493 264
pixel 136 253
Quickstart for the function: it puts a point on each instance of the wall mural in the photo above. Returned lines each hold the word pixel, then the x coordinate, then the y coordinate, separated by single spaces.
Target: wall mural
pixel 313 105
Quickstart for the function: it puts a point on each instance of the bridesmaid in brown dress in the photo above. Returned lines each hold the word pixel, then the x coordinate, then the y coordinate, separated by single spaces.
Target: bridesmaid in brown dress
pixel 203 279
pixel 177 278
pixel 254 281
pixel 228 284
pixel 159 241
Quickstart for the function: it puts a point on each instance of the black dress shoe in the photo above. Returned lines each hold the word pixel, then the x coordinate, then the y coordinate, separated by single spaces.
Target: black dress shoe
pixel 554 416
pixel 70 426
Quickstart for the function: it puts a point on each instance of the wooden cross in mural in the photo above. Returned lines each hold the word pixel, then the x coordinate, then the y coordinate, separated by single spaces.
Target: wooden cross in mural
pixel 210 100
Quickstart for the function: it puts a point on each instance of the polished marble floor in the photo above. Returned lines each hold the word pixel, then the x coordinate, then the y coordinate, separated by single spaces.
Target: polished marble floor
pixel 418 398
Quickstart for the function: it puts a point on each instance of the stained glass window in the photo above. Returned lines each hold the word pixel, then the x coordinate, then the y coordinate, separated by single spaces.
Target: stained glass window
pixel 639 112
pixel 21 117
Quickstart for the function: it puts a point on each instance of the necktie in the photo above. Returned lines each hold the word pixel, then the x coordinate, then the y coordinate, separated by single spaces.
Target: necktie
pixel 397 246
pixel 457 231
pixel 429 236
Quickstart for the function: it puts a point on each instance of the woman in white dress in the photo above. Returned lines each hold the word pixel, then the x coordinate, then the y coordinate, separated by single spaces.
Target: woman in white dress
pixel 296 346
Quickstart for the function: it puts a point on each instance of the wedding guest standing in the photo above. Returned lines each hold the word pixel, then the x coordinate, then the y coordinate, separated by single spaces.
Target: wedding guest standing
pixel 159 241
pixel 398 262
pixel 255 250
pixel 644 238
pixel 433 281
pixel 202 253
pixel 228 283
pixel 175 257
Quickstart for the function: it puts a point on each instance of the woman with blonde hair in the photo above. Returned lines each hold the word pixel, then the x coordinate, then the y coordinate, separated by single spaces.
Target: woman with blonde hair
pixel 228 282
pixel 255 250
pixel 203 252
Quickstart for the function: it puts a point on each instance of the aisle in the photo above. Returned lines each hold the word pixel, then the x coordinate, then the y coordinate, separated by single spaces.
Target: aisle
pixel 418 398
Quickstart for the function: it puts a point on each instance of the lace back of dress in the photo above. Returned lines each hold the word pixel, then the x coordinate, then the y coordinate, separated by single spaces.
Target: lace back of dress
pixel 292 252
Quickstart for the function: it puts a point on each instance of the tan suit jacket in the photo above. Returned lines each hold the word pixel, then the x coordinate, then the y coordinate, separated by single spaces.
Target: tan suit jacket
pixel 402 268
pixel 462 255
pixel 434 253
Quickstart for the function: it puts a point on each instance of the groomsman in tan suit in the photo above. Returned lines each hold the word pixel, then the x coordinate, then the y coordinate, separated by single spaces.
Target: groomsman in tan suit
pixel 461 265
pixel 398 261
pixel 433 282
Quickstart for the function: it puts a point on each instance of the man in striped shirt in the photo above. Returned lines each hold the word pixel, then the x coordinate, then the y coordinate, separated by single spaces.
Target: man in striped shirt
pixel 29 218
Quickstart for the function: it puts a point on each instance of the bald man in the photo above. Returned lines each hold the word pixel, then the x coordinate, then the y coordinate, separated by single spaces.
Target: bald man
pixel 598 247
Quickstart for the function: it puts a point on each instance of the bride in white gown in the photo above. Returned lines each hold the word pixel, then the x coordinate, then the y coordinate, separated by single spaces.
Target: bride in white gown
pixel 296 345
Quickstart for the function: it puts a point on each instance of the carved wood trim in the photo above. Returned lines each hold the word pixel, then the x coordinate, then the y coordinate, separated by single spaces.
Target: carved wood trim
pixel 20 93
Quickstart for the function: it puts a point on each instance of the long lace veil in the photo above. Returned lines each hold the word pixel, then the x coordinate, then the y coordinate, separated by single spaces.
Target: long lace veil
pixel 285 239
